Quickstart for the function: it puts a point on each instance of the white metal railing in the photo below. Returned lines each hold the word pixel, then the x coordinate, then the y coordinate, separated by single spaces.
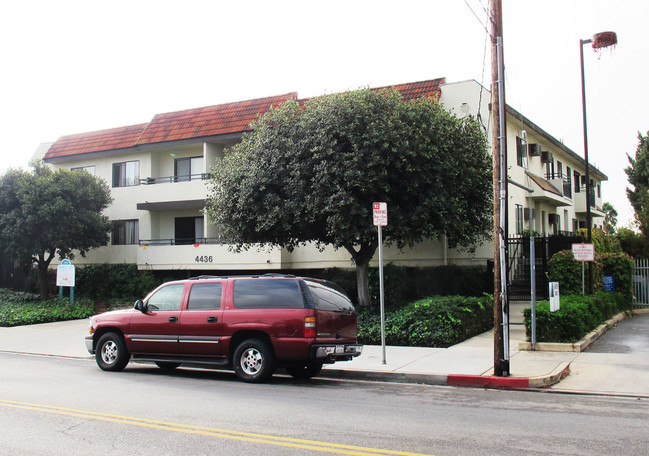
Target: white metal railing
pixel 641 281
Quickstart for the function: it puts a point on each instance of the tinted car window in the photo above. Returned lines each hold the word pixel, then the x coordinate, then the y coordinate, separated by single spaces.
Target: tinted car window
pixel 267 294
pixel 167 298
pixel 205 296
pixel 326 298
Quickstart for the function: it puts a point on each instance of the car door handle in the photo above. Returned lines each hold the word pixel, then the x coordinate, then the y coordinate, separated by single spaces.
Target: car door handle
pixel 212 319
pixel 173 319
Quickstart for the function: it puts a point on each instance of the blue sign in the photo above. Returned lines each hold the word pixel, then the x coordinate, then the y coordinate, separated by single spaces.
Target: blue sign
pixel 609 283
pixel 66 261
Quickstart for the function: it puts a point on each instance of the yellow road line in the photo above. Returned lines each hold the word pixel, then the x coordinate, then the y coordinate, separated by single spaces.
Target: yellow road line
pixel 211 432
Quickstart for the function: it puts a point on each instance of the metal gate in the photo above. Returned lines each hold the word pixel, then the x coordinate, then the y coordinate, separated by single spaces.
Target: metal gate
pixel 641 281
pixel 518 264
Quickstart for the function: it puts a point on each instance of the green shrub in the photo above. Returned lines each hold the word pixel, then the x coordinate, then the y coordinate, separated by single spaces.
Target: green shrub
pixel 567 271
pixel 110 281
pixel 576 317
pixel 439 321
pixel 27 313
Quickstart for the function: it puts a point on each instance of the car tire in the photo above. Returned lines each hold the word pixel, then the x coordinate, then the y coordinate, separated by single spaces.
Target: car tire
pixel 167 365
pixel 111 353
pixel 304 371
pixel 253 361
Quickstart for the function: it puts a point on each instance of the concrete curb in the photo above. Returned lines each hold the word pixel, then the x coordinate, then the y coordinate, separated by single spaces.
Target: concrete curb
pixel 578 346
pixel 375 376
pixel 459 380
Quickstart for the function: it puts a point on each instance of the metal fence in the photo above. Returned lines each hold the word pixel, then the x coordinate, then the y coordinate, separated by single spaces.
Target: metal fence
pixel 641 282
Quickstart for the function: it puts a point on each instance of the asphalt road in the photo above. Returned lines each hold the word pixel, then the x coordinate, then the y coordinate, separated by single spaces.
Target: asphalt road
pixel 629 336
pixel 54 406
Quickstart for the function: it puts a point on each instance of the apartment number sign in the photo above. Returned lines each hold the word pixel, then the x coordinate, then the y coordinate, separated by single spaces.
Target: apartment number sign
pixel 204 259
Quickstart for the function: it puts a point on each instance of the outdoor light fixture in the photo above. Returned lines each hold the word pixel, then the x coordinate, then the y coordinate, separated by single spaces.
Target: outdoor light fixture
pixel 599 41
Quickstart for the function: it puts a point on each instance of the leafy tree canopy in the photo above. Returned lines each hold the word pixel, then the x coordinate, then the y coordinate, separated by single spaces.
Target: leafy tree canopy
pixel 610 218
pixel 638 173
pixel 46 212
pixel 310 173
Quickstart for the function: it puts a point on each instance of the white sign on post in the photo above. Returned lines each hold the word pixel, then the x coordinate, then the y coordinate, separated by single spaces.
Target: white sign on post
pixel 584 252
pixel 554 296
pixel 65 274
pixel 380 212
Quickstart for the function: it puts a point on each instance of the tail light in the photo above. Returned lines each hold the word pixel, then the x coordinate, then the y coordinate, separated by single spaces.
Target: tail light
pixel 309 326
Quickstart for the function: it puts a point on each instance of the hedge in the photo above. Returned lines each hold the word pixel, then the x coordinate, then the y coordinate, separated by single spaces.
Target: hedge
pixel 439 321
pixel 23 312
pixel 577 316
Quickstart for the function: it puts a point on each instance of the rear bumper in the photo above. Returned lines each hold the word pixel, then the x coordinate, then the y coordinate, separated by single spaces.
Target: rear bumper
pixel 330 353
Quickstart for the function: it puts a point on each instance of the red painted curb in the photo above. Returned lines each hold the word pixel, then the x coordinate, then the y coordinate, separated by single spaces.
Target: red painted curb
pixel 479 381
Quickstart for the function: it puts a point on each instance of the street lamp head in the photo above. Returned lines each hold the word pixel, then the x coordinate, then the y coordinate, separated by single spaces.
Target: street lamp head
pixel 604 39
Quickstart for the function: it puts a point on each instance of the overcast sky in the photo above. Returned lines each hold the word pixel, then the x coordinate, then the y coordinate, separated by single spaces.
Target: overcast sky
pixel 76 66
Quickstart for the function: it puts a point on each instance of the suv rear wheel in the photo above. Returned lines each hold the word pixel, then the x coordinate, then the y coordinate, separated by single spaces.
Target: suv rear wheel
pixel 253 361
pixel 111 353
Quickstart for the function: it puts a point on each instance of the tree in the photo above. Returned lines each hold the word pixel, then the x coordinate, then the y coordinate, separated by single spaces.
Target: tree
pixel 638 173
pixel 610 218
pixel 46 212
pixel 310 173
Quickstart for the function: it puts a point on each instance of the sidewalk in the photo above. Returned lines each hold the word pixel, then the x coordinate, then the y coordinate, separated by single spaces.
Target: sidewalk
pixel 469 363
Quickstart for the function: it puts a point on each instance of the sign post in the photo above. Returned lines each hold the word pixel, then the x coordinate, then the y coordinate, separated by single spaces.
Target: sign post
pixel 583 252
pixel 380 215
pixel 65 277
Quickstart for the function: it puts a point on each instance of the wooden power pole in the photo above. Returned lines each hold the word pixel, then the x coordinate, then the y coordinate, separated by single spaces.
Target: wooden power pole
pixel 499 153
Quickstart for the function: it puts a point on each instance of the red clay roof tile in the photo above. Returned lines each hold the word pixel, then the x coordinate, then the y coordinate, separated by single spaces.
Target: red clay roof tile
pixel 200 122
pixel 114 138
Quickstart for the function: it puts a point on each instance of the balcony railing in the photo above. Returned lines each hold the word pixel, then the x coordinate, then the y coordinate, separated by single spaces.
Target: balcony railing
pixel 172 179
pixel 567 184
pixel 180 241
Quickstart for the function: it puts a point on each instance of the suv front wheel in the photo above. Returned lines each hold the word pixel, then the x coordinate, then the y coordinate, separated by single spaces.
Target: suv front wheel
pixel 111 353
pixel 253 361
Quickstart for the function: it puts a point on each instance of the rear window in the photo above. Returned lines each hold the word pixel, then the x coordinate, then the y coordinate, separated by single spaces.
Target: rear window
pixel 267 294
pixel 326 298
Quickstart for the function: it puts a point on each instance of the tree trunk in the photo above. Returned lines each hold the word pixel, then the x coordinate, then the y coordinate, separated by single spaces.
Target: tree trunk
pixel 42 281
pixel 362 259
pixel 362 284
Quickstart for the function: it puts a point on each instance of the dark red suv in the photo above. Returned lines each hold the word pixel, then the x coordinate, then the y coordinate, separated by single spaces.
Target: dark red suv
pixel 251 324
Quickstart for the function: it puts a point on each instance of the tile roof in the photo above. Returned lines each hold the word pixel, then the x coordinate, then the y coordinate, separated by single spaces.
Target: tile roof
pixel 200 122
pixel 420 89
pixel 115 138
pixel 209 121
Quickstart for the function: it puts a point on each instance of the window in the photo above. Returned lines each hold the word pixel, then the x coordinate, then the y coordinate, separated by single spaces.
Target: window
pixel 519 219
pixel 521 153
pixel 599 191
pixel 126 174
pixel 575 226
pixel 124 232
pixel 326 298
pixel 167 298
pixel 577 182
pixel 188 230
pixel 205 296
pixel 559 170
pixel 267 294
pixel 188 169
pixel 88 169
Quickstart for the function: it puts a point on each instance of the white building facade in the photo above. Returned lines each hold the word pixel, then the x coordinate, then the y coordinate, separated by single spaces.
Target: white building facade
pixel 158 173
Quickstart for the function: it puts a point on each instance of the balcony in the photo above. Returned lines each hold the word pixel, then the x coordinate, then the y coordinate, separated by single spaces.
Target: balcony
pixel 580 202
pixel 173 179
pixel 561 182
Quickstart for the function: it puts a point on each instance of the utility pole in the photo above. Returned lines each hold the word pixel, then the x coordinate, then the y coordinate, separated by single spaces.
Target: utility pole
pixel 499 153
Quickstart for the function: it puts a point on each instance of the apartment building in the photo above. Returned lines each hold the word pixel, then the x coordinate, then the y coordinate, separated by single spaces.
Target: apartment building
pixel 158 172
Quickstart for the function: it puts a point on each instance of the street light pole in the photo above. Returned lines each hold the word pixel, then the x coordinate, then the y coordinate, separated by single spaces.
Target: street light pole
pixel 588 214
pixel 599 41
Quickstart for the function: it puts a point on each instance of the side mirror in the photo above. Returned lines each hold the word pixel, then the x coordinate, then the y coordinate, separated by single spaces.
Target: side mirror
pixel 139 305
